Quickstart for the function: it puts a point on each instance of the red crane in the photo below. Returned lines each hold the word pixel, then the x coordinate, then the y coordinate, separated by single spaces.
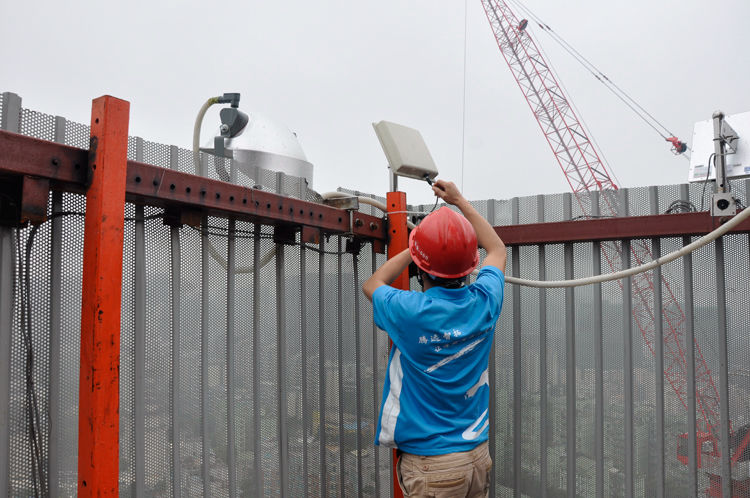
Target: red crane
pixel 585 172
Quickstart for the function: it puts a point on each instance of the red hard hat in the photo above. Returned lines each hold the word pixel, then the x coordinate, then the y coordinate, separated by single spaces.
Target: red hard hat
pixel 444 245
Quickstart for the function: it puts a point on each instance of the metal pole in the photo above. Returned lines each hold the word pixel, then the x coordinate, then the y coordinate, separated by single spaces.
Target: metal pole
pixel 140 352
pixel 658 353
pixel 99 395
pixel 515 262
pixel 375 377
pixel 492 374
pixel 721 304
pixel 719 159
pixel 627 342
pixel 205 330
pixel 543 374
pixel 9 120
pixel 7 278
pixel 140 341
pixel 322 370
pixel 303 347
pixel 55 329
pixel 357 375
pixel 176 282
pixel 598 359
pixel 257 448
pixel 231 340
pixel 281 353
pixel 176 264
pixel 570 357
pixel 340 364
pixel 689 348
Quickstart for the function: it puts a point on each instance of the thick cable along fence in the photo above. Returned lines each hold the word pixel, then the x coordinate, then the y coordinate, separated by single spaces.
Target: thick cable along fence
pixel 250 364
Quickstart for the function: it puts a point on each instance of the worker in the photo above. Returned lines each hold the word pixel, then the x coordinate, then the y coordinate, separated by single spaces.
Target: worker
pixel 435 407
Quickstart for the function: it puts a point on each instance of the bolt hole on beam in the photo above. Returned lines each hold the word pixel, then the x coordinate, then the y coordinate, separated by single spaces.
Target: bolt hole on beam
pixel 188 189
pixel 172 186
pixel 137 179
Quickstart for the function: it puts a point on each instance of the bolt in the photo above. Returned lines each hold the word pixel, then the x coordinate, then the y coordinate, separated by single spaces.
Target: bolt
pixel 373 226
pixel 358 222
pixel 55 161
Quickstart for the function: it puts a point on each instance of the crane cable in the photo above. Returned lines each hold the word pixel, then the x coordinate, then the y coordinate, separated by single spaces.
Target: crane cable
pixel 597 148
pixel 642 113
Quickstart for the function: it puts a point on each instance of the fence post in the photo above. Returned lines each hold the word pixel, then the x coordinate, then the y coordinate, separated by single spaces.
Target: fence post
pixel 9 120
pixel 98 418
pixel 399 240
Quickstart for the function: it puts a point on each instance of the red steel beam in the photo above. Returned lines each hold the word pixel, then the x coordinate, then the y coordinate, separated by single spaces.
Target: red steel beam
pixel 634 227
pixel 65 166
pixel 99 398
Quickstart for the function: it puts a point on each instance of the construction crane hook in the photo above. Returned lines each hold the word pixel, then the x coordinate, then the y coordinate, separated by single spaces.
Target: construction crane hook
pixel 678 147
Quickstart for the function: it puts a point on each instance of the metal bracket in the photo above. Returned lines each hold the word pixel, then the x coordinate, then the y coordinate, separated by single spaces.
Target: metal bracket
pixel 348 203
pixel 285 234
pixel 176 217
pixel 353 246
pixel 23 200
pixel 723 204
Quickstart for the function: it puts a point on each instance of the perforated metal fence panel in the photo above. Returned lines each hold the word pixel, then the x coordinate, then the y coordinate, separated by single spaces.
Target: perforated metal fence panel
pixel 253 368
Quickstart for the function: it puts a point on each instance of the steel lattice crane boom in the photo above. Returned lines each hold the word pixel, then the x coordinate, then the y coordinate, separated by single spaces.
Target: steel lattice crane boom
pixel 585 172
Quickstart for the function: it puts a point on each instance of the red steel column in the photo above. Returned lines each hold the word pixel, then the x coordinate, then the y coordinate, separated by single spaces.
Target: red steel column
pixel 99 401
pixel 398 240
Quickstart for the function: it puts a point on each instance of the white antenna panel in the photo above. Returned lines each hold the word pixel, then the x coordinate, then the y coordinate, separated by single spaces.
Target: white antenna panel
pixel 737 163
pixel 405 150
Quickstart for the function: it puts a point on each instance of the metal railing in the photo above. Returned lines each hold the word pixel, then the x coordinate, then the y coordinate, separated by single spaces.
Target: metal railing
pixel 250 365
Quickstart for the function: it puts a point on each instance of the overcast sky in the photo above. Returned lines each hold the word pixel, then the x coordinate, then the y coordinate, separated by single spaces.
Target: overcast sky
pixel 329 69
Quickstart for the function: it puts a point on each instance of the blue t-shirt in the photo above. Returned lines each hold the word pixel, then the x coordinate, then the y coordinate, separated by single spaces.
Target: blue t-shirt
pixel 436 393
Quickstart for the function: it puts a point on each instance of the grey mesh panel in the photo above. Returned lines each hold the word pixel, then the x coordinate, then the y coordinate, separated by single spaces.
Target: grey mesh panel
pixel 353 368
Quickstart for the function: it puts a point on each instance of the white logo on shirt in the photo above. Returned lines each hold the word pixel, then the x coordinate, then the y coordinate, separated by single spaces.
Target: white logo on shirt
pixel 484 379
pixel 472 432
pixel 423 340
pixel 455 356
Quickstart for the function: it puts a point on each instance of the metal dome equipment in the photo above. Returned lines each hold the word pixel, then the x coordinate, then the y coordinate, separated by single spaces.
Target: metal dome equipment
pixel 256 143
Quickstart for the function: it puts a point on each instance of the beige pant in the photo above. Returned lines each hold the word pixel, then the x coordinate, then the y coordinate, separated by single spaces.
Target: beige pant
pixel 465 474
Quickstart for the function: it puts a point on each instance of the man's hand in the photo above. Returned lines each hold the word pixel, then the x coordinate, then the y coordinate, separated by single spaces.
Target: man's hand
pixel 448 192
pixel 486 236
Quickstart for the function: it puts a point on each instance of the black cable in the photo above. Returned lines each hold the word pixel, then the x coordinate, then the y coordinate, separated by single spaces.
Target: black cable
pixel 681 206
pixel 218 231
pixel 434 205
pixel 38 471
pixel 712 157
